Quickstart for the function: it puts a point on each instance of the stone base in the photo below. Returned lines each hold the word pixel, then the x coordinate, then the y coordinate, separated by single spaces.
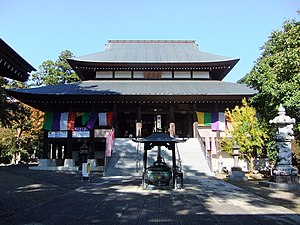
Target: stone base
pixel 50 164
pixel 236 174
pixel 69 162
pixel 285 170
pixel 285 179
pixel 285 183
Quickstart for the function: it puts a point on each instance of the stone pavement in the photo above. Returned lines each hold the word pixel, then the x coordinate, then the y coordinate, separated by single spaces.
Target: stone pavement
pixel 49 197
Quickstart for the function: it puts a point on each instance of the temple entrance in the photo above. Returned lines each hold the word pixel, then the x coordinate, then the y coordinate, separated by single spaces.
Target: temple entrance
pixel 183 124
pixel 57 152
pixel 126 124
pixel 150 122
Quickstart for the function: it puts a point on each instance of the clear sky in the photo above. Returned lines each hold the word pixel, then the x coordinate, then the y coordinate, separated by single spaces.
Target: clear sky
pixel 40 29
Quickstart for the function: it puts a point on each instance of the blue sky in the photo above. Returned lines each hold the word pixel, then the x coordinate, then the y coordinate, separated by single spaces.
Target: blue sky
pixel 39 30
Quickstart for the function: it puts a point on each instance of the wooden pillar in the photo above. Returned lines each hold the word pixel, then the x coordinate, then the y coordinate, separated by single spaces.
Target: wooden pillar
pixel 194 112
pixel 139 113
pixel 68 154
pixel 45 146
pixel 172 113
pixel 59 148
pixel 54 148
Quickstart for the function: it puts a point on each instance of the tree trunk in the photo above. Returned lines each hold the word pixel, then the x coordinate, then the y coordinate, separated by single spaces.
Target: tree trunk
pixel 251 166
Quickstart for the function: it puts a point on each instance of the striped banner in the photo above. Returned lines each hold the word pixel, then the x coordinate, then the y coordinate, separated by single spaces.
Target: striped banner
pixel 48 120
pixel 66 120
pixel 56 121
pixel 63 123
pixel 200 116
pixel 204 118
pixel 207 118
pixel 71 120
pixel 92 120
pixel 222 121
pixel 85 117
pixel 109 143
pixel 105 119
pixel 215 119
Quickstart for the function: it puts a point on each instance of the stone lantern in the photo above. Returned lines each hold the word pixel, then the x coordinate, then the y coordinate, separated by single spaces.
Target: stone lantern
pixel 284 172
pixel 236 172
pixel 236 153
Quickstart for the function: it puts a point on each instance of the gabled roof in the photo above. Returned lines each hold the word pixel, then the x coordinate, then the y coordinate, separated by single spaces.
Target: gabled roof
pixel 152 51
pixel 95 91
pixel 12 65
pixel 142 87
pixel 152 55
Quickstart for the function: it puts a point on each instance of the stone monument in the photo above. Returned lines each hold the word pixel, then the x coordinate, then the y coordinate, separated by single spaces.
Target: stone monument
pixel 285 176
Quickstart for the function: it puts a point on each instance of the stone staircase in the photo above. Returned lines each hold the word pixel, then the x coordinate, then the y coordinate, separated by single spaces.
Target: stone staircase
pixel 124 159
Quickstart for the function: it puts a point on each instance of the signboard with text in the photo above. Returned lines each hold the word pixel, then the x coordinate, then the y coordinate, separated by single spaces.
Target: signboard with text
pixel 101 133
pixel 81 134
pixel 57 134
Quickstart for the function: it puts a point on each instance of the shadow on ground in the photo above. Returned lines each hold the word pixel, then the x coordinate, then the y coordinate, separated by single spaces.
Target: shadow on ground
pixel 49 197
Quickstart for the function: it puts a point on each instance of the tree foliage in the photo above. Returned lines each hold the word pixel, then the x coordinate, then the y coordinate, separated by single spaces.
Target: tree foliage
pixel 58 72
pixel 246 131
pixel 276 74
pixel 11 110
pixel 20 125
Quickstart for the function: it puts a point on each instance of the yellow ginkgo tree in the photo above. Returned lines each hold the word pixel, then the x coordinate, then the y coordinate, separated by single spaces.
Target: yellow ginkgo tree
pixel 246 131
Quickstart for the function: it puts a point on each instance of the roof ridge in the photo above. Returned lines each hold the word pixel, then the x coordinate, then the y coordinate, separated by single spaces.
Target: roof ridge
pixel 151 41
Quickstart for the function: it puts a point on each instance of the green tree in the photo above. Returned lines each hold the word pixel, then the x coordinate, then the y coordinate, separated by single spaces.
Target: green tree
pixel 20 125
pixel 58 72
pixel 276 75
pixel 246 131
pixel 10 109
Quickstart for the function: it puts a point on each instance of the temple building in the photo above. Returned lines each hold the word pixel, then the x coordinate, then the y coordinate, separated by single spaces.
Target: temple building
pixel 12 65
pixel 150 82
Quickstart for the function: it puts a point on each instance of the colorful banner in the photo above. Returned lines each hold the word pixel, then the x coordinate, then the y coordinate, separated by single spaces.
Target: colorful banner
pixel 92 120
pixel 215 119
pixel 71 120
pixel 66 120
pixel 56 121
pixel 207 118
pixel 204 118
pixel 85 117
pixel 222 120
pixel 63 123
pixel 200 116
pixel 48 120
pixel 105 119
pixel 109 143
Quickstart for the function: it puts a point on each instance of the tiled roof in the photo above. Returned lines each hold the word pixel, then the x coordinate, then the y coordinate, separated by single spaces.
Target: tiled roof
pixel 12 65
pixel 152 51
pixel 142 87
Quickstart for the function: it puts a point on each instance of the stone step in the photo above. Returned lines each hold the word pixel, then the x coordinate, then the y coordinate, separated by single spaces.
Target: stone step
pixel 124 159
